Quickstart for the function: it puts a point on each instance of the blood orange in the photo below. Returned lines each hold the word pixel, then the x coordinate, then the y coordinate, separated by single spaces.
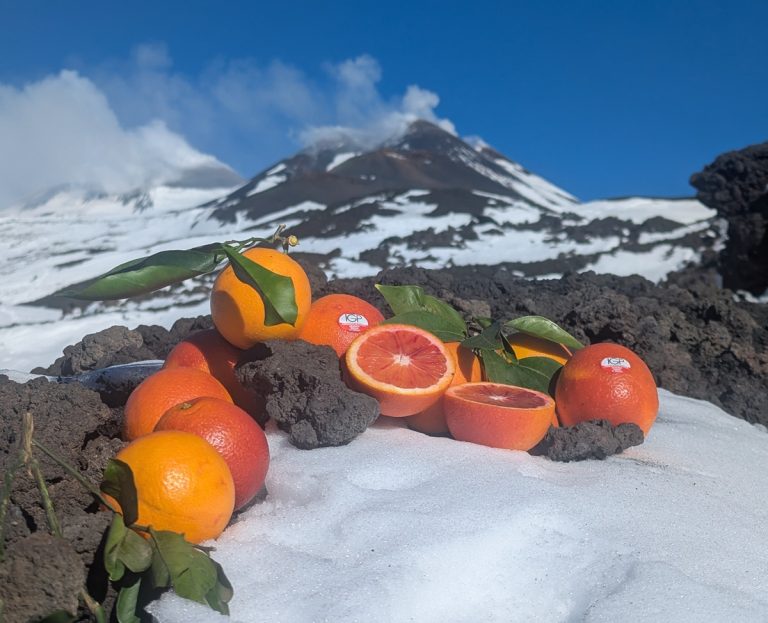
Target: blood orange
pixel 405 368
pixel 607 381
pixel 233 433
pixel 337 319
pixel 432 420
pixel 497 415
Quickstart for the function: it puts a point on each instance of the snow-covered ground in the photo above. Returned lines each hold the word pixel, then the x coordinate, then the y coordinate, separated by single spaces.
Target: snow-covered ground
pixel 69 239
pixel 399 527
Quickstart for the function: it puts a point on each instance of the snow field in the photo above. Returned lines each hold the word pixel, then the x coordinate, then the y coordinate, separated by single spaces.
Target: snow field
pixel 398 526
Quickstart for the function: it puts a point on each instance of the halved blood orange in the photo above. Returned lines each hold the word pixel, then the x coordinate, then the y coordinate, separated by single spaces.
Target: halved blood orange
pixel 405 368
pixel 498 415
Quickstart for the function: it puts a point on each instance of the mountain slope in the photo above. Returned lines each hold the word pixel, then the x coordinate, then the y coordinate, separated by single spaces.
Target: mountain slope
pixel 425 198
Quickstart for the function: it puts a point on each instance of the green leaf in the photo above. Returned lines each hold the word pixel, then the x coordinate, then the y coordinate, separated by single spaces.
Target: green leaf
pixel 219 596
pixel 118 482
pixel 483 321
pixel 115 535
pixel 543 365
pixel 499 370
pixel 406 299
pixel 509 351
pixel 433 323
pixel 488 339
pixel 135 552
pixel 538 326
pixel 403 299
pixel 158 570
pixel 128 600
pixel 191 572
pixel 144 275
pixel 276 291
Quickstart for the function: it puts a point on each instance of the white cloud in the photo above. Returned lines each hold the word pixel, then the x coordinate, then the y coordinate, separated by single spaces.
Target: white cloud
pixel 128 123
pixel 62 131
pixel 363 116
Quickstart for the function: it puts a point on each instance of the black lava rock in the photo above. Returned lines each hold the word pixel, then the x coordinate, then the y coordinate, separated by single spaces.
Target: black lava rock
pixel 117 345
pixel 736 185
pixel 40 575
pixel 588 440
pixel 304 393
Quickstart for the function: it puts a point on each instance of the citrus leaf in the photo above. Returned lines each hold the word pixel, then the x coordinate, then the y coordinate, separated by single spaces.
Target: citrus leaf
pixel 144 275
pixel 118 482
pixel 127 601
pixel 158 570
pixel 402 299
pixel 276 291
pixel 407 299
pixel 483 321
pixel 488 339
pixel 436 325
pixel 509 352
pixel 538 326
pixel 115 535
pixel 191 572
pixel 499 370
pixel 219 596
pixel 135 552
pixel 544 365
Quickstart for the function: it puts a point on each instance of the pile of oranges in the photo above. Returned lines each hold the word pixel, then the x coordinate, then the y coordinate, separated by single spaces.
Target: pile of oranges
pixel 197 449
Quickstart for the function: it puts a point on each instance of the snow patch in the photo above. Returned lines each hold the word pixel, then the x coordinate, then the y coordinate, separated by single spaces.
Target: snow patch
pixel 339 159
pixel 398 526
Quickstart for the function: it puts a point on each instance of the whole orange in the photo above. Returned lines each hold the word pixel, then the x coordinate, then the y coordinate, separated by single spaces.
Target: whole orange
pixel 238 310
pixel 161 391
pixel 182 484
pixel 606 382
pixel 432 420
pixel 233 433
pixel 208 351
pixel 526 345
pixel 336 320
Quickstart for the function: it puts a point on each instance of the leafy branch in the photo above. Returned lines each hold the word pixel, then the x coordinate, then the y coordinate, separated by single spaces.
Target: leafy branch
pixel 488 338
pixel 165 268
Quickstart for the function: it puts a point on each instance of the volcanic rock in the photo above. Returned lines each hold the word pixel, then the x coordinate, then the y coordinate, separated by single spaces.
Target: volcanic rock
pixel 304 393
pixel 117 345
pixel 40 575
pixel 73 422
pixel 736 185
pixel 588 440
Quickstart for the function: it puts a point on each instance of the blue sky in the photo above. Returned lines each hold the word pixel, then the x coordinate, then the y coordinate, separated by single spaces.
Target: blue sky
pixel 602 98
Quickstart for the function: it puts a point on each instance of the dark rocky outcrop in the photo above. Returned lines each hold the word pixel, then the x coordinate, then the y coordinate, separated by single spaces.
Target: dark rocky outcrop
pixel 588 440
pixel 41 573
pixel 305 395
pixel 736 185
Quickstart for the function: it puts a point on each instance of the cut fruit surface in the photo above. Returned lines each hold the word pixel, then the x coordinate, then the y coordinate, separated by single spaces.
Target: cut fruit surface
pixel 498 415
pixel 405 368
pixel 432 420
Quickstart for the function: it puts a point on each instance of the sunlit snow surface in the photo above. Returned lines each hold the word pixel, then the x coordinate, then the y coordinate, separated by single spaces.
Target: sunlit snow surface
pixel 398 526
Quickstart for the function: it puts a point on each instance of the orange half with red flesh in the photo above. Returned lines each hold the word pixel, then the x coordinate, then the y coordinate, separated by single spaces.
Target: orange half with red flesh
pixel 498 415
pixel 405 368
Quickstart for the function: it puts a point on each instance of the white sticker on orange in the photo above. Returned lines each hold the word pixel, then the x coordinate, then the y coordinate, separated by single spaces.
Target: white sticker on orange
pixel 354 323
pixel 617 364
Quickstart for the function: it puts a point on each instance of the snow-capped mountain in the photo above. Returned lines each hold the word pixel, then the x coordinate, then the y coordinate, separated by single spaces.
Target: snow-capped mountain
pixel 431 199
pixel 426 198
